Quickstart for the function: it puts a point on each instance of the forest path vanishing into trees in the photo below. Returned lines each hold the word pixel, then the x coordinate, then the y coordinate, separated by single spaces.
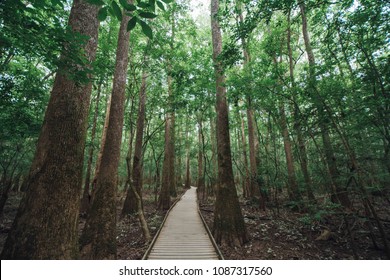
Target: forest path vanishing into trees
pixel 183 234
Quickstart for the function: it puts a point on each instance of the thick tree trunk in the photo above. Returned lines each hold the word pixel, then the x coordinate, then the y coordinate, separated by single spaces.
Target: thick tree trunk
pixel 131 202
pixel 98 240
pixel 85 200
pixel 46 223
pixel 339 193
pixel 229 224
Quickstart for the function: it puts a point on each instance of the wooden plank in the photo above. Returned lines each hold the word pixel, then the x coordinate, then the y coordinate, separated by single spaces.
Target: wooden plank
pixel 183 235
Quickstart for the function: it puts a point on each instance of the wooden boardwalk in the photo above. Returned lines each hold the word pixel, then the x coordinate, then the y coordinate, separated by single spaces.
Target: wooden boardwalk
pixel 183 236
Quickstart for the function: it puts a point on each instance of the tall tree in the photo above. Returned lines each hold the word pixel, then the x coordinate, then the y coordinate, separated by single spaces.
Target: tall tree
pixel 131 202
pixel 339 193
pixel 168 184
pixel 98 240
pixel 254 160
pixel 246 177
pixel 200 184
pixel 229 224
pixel 46 223
pixel 297 115
pixel 86 198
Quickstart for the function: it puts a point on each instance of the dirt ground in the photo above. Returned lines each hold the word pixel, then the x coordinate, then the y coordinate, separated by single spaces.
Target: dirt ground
pixel 273 234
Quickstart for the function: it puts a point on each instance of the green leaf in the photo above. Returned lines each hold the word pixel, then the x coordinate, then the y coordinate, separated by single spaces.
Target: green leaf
pixel 131 24
pixel 143 5
pixel 103 13
pixel 147 15
pixel 167 1
pixel 58 3
pixel 146 29
pixel 117 10
pixel 161 5
pixel 127 6
pixel 96 2
pixel 152 4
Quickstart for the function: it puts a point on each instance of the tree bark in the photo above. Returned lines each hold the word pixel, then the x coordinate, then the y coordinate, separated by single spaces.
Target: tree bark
pixel 246 180
pixel 98 240
pixel 129 153
pixel 85 200
pixel 102 142
pixel 168 176
pixel 229 224
pixel 46 223
pixel 188 173
pixel 295 194
pixel 131 202
pixel 201 175
pixel 214 160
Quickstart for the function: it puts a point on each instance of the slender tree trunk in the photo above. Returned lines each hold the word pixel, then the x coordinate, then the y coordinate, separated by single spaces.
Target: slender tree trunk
pixel 246 182
pixel 297 121
pixel 255 187
pixel 141 216
pixel 295 194
pixel 201 181
pixel 46 223
pixel 131 203
pixel 129 154
pixel 98 240
pixel 339 193
pixel 188 174
pixel 229 224
pixel 85 200
pixel 303 155
pixel 178 180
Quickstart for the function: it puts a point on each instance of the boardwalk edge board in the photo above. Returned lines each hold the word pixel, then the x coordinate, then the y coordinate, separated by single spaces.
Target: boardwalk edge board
pixel 219 253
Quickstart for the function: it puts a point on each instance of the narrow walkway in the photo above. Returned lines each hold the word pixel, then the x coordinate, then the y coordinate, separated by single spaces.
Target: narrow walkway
pixel 183 235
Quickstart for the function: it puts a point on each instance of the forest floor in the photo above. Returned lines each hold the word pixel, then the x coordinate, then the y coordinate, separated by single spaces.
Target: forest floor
pixel 273 234
pixel 289 235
